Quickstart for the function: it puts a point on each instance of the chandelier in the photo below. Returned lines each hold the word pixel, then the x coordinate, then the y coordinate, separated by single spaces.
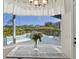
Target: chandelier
pixel 38 2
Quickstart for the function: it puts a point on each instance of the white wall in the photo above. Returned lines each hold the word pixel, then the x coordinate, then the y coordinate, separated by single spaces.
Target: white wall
pixel 67 29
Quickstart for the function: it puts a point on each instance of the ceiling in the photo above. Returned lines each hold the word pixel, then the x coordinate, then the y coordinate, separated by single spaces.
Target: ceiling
pixel 22 7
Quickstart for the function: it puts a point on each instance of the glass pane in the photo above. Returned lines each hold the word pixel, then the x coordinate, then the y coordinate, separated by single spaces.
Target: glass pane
pixel 49 26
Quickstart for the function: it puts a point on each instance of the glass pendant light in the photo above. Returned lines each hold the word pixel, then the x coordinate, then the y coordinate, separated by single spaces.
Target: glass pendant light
pixel 31 1
pixel 36 2
pixel 44 2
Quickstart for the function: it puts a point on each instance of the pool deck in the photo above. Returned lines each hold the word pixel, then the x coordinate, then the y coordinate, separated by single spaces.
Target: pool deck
pixel 7 49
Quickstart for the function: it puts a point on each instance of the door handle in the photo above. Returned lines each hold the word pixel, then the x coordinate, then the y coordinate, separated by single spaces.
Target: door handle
pixel 74 40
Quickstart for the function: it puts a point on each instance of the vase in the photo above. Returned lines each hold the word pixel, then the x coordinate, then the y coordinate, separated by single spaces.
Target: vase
pixel 35 47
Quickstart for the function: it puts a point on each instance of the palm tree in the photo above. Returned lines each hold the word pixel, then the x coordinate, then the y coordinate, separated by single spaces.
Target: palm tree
pixel 35 37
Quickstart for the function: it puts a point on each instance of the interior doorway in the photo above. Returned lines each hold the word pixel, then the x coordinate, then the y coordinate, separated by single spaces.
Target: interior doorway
pixel 65 9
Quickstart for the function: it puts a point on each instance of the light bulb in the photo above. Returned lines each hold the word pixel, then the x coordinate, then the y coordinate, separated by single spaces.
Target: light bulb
pixel 45 2
pixel 36 2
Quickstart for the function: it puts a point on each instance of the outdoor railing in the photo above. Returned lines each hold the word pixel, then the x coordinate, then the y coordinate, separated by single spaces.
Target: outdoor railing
pixel 46 39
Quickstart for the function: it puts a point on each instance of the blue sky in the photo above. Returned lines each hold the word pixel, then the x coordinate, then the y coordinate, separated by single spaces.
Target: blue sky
pixel 29 20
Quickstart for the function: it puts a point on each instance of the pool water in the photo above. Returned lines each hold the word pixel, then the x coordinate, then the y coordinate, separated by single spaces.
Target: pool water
pixel 26 37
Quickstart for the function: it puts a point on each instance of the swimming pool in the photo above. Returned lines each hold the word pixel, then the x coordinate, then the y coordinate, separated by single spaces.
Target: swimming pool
pixel 26 37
